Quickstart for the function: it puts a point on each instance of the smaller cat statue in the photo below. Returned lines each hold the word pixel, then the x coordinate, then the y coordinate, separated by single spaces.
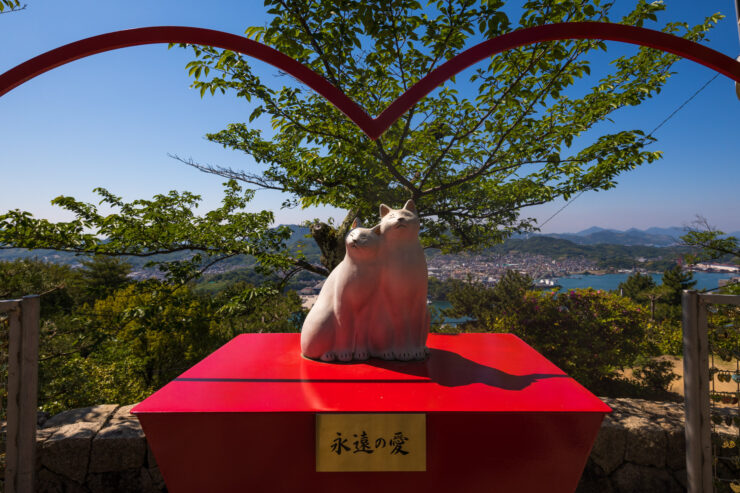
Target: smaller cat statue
pixel 336 328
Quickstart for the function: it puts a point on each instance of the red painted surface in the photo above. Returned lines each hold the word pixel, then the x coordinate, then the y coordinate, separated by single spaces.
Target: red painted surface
pixel 373 127
pixel 467 373
pixel 500 417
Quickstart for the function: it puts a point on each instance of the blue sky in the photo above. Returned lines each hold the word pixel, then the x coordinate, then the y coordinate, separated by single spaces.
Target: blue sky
pixel 110 120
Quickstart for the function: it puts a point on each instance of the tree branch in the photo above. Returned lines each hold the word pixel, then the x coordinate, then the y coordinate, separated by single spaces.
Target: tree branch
pixel 386 160
pixel 314 44
pixel 303 264
pixel 14 9
pixel 252 179
pixel 471 130
pixel 481 170
pixel 465 213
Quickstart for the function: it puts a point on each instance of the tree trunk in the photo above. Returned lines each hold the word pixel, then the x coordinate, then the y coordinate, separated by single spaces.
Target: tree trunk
pixel 331 240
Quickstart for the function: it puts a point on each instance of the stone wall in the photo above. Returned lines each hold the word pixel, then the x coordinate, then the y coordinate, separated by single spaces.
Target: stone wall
pixel 640 448
pixel 95 449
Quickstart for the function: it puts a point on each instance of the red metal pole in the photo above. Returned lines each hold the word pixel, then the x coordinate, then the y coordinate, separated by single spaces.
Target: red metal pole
pixel 373 127
pixel 737 18
pixel 180 34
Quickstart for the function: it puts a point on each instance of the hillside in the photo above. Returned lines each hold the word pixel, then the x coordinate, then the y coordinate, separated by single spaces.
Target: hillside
pixel 556 247
pixel 607 254
pixel 297 242
pixel 659 237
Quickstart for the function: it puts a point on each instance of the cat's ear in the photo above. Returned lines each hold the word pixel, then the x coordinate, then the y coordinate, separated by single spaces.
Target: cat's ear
pixel 355 223
pixel 384 209
pixel 376 230
pixel 410 206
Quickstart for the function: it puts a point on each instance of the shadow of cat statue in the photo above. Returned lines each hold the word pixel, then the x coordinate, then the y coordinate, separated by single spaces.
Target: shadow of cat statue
pixel 337 325
pixel 401 320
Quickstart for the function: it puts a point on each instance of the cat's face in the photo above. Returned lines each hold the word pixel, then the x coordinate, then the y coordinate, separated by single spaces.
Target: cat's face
pixel 363 242
pixel 399 222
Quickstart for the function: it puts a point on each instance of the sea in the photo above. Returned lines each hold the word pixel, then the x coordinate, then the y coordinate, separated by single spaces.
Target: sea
pixel 606 282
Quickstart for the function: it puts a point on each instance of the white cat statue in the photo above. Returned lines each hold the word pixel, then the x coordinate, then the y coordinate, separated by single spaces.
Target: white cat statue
pixel 401 319
pixel 336 327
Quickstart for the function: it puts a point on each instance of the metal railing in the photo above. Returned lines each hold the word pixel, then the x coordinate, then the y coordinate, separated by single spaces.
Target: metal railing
pixel 699 459
pixel 23 356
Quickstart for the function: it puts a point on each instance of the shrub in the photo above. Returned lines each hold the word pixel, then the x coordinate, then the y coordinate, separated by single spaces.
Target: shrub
pixel 666 336
pixel 655 375
pixel 481 304
pixel 124 347
pixel 589 334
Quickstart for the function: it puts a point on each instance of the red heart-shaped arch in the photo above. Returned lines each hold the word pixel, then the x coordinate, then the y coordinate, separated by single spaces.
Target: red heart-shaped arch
pixel 373 127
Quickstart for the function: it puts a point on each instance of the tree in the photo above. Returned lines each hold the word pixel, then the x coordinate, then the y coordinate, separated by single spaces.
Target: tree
pixel 440 289
pixel 165 225
pixel 122 346
pixel 483 304
pixel 675 280
pixel 58 285
pixel 510 289
pixel 471 299
pixel 103 275
pixel 472 155
pixel 642 288
pixel 635 285
pixel 711 243
pixel 11 5
pixel 655 294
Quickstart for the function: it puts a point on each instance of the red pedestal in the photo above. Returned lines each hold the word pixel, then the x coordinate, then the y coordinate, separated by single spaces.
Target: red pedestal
pixel 500 417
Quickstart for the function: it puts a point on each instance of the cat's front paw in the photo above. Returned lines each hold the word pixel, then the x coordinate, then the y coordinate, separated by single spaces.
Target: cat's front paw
pixel 328 356
pixel 387 355
pixel 344 355
pixel 421 353
pixel 361 355
pixel 405 355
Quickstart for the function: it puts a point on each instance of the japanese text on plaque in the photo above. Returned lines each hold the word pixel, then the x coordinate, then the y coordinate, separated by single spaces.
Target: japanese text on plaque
pixel 370 442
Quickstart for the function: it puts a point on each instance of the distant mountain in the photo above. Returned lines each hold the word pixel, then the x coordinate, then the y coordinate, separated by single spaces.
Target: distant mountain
pixel 674 231
pixel 51 256
pixel 589 231
pixel 651 237
pixel 301 240
pixel 658 237
pixel 298 230
pixel 297 242
pixel 604 255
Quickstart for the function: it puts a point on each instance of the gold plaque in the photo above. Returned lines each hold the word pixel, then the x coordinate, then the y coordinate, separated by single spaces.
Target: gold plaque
pixel 371 442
